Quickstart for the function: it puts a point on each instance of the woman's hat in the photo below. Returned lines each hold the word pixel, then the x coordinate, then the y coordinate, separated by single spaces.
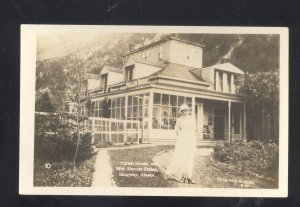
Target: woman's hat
pixel 184 107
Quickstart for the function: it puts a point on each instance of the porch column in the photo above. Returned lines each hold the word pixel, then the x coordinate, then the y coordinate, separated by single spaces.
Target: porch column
pixel 193 108
pixel 150 114
pixel 245 134
pixel 229 120
pixel 200 119
pixel 126 105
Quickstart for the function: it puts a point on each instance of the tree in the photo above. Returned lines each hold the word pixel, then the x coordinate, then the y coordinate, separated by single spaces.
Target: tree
pixel 261 93
pixel 76 75
pixel 46 118
pixel 44 103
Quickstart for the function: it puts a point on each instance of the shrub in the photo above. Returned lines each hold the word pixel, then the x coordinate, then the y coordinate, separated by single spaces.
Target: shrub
pixel 252 154
pixel 62 147
pixel 63 174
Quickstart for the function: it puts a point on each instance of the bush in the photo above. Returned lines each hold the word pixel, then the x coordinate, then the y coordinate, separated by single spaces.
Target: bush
pixel 62 147
pixel 62 173
pixel 252 154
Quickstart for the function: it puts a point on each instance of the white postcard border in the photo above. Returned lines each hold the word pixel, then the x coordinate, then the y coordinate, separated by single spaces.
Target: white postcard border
pixel 27 102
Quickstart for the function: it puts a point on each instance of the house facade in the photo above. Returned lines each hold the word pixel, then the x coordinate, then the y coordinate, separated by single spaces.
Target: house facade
pixel 156 79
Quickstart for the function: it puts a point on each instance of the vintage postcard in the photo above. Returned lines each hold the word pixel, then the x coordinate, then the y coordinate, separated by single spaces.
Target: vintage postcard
pixel 154 111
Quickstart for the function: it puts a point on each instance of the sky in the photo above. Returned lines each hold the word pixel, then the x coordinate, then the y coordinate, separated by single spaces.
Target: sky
pixel 60 44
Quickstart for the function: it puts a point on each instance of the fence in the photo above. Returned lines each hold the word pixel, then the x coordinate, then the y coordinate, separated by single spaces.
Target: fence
pixel 113 131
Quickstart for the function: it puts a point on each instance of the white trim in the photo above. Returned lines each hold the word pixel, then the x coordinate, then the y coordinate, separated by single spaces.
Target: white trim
pixel 183 80
pixel 204 95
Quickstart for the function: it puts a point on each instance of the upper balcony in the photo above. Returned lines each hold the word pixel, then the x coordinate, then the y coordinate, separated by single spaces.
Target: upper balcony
pixel 223 77
pixel 121 86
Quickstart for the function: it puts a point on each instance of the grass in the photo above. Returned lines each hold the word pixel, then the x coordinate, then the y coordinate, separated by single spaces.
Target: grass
pixel 62 173
pixel 136 157
pixel 209 173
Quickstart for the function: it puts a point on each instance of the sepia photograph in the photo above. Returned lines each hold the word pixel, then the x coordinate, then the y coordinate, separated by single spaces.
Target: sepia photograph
pixel 147 110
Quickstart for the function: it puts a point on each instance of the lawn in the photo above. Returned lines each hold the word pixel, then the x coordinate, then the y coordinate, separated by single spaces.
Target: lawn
pixel 209 173
pixel 62 173
pixel 134 167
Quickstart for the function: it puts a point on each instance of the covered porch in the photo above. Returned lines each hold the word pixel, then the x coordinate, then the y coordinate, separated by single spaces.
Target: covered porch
pixel 155 112
pixel 220 120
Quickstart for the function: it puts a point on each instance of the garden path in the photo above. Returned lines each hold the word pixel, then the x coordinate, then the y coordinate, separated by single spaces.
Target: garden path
pixel 103 172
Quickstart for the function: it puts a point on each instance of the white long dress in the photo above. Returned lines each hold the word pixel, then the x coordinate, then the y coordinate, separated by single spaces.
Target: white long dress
pixel 183 155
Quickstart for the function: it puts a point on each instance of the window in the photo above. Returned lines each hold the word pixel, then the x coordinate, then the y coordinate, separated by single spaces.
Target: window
pixel 145 54
pixel 215 80
pixel 166 110
pixel 96 108
pixel 136 110
pixel 160 52
pixel 221 81
pixel 129 73
pixel 118 108
pixel 104 81
pixel 229 82
pixel 218 80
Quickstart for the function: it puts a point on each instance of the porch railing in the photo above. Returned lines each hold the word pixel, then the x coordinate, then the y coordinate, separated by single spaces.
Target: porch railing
pixel 107 131
pixel 202 133
pixel 234 137
pixel 96 91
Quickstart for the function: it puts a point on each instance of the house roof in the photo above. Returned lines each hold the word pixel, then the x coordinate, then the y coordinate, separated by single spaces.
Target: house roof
pixel 161 41
pixel 226 67
pixel 178 71
pixel 147 62
pixel 113 69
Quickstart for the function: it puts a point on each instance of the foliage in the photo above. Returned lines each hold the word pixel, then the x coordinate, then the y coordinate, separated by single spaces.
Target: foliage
pixel 261 89
pixel 252 154
pixel 257 53
pixel 261 93
pixel 50 76
pixel 63 174
pixel 45 103
pixel 251 53
pixel 46 123
pixel 55 148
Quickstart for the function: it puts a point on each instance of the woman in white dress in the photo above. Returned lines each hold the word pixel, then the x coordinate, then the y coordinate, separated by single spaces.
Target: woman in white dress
pixel 181 166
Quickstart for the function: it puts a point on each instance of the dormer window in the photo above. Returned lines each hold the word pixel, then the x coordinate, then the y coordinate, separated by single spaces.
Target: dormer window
pixel 160 52
pixel 129 73
pixel 145 54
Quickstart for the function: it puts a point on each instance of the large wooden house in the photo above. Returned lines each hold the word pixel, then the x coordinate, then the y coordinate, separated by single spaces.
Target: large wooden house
pixel 157 78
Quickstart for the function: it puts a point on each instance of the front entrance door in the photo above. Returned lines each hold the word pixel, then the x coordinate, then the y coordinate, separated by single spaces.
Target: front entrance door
pixel 219 127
